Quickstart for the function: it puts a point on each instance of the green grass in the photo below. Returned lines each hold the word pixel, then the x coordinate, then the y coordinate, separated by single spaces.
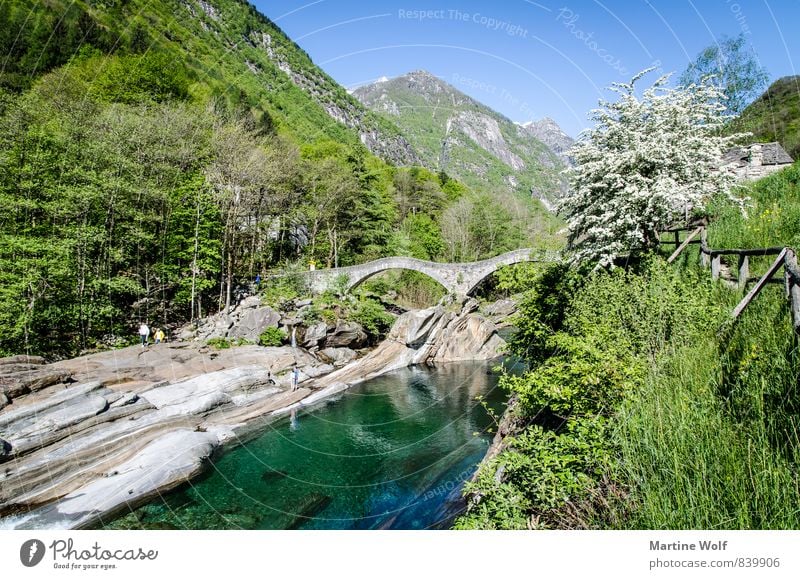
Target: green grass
pixel 702 413
pixel 771 216
pixel 707 441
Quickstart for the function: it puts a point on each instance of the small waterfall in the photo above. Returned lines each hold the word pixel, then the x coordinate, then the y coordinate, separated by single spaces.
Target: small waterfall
pixel 294 337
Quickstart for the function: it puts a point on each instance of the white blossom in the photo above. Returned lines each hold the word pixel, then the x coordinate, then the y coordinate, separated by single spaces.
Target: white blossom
pixel 645 162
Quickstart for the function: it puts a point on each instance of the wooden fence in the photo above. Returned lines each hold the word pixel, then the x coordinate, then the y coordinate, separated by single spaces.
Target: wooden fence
pixel 785 258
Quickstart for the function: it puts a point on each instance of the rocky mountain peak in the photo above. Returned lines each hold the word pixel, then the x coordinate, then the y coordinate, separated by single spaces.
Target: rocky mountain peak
pixel 548 131
pixel 457 134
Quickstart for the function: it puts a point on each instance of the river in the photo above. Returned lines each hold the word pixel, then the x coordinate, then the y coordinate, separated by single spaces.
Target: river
pixel 390 453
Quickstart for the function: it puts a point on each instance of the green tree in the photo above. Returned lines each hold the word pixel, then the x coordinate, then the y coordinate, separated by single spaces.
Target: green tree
pixel 425 237
pixel 735 70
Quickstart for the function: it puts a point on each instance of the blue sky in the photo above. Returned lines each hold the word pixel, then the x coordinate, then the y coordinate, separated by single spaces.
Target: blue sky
pixel 530 59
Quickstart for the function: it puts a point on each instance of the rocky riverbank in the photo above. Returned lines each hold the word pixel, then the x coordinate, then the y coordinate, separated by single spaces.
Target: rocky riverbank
pixel 83 439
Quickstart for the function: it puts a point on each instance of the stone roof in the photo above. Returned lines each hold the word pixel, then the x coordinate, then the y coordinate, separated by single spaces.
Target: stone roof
pixel 771 154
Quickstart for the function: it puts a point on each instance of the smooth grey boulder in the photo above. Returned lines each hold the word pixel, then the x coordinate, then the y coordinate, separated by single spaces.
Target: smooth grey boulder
pixel 250 302
pixel 346 335
pixel 56 418
pixel 19 383
pixel 163 464
pixel 314 334
pixel 207 391
pixel 21 359
pixel 125 399
pixel 253 322
pixel 469 338
pixel 9 417
pixel 338 356
pixel 470 305
pixel 415 328
pixel 291 321
pixel 501 309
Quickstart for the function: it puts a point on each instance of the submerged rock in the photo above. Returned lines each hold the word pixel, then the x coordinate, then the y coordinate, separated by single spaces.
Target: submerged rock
pixel 310 507
pixel 270 476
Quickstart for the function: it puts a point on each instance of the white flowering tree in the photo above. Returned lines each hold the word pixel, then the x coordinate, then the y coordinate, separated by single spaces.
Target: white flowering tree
pixel 644 163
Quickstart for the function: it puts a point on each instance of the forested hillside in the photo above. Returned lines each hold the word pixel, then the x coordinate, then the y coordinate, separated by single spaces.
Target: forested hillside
pixel 155 155
pixel 775 116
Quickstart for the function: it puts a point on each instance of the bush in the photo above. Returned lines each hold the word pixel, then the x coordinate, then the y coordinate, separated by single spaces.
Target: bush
pixel 219 343
pixel 339 286
pixel 276 290
pixel 547 477
pixel 372 317
pixel 272 336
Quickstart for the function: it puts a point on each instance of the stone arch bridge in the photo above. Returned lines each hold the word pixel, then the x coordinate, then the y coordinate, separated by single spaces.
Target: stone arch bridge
pixel 458 278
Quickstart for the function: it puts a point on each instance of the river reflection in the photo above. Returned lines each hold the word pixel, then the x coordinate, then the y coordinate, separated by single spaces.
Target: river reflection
pixel 390 453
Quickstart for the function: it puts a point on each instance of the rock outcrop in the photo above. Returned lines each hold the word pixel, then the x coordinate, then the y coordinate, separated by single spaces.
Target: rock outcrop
pixel 501 310
pixel 111 430
pixel 437 335
pixel 246 322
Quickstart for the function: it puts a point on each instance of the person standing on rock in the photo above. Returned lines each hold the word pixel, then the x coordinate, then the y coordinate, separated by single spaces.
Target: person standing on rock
pixel 295 377
pixel 159 336
pixel 144 333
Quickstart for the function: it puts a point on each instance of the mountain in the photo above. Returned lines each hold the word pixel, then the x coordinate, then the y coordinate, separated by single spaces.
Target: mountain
pixel 775 116
pixel 457 134
pixel 229 48
pixel 158 155
pixel 548 132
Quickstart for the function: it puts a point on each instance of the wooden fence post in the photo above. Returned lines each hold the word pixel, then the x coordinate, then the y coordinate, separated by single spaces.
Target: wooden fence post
pixel 716 265
pixel 704 258
pixel 792 288
pixel 773 269
pixel 683 246
pixel 744 270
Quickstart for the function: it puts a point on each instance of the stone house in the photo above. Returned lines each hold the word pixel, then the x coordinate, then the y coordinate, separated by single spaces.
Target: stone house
pixel 755 161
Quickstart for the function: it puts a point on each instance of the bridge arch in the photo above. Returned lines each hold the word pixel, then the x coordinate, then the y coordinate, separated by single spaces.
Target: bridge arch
pixel 459 278
pixel 354 283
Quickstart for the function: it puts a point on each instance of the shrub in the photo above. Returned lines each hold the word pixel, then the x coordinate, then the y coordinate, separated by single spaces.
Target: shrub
pixel 339 286
pixel 372 317
pixel 291 285
pixel 219 343
pixel 271 336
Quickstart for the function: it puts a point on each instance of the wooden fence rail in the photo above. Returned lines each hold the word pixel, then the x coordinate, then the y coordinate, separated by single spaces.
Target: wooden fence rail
pixel 786 258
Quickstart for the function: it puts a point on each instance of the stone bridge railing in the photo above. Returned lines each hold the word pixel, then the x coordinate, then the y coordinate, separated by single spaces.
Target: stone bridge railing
pixel 459 278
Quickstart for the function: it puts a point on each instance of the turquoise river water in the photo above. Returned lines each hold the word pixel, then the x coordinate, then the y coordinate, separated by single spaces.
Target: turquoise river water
pixel 391 453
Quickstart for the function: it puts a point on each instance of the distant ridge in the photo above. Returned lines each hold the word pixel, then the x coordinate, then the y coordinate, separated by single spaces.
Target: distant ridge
pixel 457 134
